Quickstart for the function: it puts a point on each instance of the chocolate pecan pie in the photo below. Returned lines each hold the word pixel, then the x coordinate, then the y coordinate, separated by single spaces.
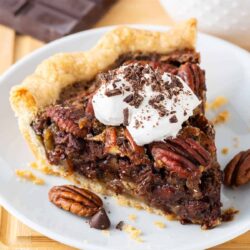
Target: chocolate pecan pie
pixel 126 118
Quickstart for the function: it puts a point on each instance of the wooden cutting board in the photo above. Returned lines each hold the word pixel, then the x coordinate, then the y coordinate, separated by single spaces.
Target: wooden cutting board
pixel 13 234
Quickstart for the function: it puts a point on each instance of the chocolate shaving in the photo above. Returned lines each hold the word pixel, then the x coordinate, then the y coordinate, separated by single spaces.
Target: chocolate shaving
pixel 137 100
pixel 137 123
pixel 137 76
pixel 159 98
pixel 154 102
pixel 175 82
pixel 125 117
pixel 113 92
pixel 127 88
pixel 129 98
pixel 173 119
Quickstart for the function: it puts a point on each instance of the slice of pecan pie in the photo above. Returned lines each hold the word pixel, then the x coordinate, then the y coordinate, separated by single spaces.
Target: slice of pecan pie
pixel 126 118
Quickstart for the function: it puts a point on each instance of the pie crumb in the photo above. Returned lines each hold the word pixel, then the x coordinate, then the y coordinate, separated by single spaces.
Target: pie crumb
pixel 45 169
pixel 29 176
pixel 106 232
pixel 224 151
pixel 33 165
pixel 159 224
pixel 228 214
pixel 217 103
pixel 236 142
pixel 132 217
pixel 170 217
pixel 133 232
pixel 222 117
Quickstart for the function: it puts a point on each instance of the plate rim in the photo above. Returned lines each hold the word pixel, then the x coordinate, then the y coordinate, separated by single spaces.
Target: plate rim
pixel 55 236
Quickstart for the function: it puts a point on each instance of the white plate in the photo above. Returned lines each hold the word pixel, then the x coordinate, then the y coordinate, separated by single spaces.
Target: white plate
pixel 228 74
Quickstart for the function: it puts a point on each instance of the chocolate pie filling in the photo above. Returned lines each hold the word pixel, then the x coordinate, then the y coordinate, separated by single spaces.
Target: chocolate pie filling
pixel 179 176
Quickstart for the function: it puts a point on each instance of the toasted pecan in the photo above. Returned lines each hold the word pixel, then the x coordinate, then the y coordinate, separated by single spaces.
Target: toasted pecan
pixel 76 200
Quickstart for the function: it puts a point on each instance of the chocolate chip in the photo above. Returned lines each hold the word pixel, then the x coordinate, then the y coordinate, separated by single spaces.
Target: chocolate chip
pixel 125 117
pixel 173 119
pixel 113 92
pixel 100 220
pixel 120 225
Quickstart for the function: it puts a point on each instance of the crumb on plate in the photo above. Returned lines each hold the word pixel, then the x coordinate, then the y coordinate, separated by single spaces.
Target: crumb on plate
pixel 106 232
pixel 45 169
pixel 229 214
pixel 236 142
pixel 225 151
pixel 218 102
pixel 33 164
pixel 170 217
pixel 132 217
pixel 133 232
pixel 159 224
pixel 29 176
pixel 222 117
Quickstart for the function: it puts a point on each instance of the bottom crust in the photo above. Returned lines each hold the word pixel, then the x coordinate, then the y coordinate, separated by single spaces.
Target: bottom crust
pixel 99 188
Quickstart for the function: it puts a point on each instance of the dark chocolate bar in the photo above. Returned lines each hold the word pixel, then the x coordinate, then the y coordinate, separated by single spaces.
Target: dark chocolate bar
pixel 51 19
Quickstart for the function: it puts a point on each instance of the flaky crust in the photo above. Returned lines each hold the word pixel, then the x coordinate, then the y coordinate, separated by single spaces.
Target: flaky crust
pixel 43 87
pixel 51 76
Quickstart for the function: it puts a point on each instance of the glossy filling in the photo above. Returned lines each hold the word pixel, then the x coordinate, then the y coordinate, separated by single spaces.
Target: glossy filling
pixel 180 176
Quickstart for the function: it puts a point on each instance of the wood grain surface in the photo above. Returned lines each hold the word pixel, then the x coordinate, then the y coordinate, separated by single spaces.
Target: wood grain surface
pixel 13 234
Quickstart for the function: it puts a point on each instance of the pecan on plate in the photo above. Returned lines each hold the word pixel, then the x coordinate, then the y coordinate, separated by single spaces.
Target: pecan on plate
pixel 76 200
pixel 182 156
pixel 237 171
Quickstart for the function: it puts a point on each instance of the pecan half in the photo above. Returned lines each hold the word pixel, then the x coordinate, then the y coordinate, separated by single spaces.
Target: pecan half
pixel 76 200
pixel 89 108
pixel 194 76
pixel 134 146
pixel 111 141
pixel 237 171
pixel 182 156
pixel 67 120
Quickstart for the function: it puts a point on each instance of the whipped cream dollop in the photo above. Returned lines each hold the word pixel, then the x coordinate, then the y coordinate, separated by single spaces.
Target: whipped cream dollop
pixel 152 105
